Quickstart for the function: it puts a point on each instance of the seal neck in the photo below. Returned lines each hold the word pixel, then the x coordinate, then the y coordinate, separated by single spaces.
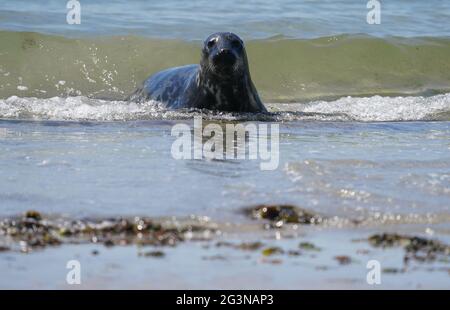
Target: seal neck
pixel 237 94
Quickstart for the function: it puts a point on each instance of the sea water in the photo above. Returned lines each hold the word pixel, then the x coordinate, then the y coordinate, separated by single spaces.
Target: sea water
pixel 363 112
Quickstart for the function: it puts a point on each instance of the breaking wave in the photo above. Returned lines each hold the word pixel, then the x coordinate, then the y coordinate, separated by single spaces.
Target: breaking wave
pixel 283 69
pixel 366 109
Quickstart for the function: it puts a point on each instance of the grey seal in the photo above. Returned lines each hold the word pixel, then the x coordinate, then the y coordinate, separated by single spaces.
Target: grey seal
pixel 220 82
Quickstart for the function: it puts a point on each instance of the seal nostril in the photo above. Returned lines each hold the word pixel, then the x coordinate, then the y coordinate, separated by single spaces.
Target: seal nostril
pixel 224 57
pixel 224 51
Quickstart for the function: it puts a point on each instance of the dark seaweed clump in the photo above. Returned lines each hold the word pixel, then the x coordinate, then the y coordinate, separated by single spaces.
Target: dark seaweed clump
pixel 32 230
pixel 308 246
pixel 417 248
pixel 246 246
pixel 283 214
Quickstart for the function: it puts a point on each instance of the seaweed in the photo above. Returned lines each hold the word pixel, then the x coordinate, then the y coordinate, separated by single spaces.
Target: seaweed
pixel 157 254
pixel 343 259
pixel 308 246
pixel 272 251
pixel 283 214
pixel 416 248
pixel 246 246
pixel 32 230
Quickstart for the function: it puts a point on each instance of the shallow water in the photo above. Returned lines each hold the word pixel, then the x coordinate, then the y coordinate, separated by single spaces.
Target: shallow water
pixel 337 168
pixel 203 265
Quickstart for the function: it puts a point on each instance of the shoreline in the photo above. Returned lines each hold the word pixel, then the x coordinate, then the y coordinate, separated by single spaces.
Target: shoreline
pixel 262 254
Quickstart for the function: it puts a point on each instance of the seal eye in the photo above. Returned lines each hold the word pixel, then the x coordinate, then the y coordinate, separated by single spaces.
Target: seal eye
pixel 236 43
pixel 211 43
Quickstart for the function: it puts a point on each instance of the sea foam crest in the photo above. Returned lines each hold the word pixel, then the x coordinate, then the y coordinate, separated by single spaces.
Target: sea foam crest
pixel 375 108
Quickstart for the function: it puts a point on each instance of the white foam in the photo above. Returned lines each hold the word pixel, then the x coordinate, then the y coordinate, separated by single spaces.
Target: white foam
pixel 374 108
pixel 379 108
pixel 73 108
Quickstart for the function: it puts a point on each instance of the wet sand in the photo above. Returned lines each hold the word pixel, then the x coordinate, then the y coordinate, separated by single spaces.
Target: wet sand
pixel 264 253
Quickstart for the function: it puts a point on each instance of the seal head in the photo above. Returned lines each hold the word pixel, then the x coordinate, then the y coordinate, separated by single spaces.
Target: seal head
pixel 225 75
pixel 223 56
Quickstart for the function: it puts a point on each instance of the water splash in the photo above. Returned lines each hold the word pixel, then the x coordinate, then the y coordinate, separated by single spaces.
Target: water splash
pixel 365 109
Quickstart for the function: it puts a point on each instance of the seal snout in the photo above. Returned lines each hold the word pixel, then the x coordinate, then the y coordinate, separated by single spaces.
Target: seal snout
pixel 224 57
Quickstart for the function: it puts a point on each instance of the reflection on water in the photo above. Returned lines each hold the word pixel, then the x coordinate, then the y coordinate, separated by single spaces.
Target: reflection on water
pixel 344 169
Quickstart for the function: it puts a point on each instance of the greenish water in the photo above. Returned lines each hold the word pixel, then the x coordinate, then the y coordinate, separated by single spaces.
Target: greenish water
pixel 284 70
